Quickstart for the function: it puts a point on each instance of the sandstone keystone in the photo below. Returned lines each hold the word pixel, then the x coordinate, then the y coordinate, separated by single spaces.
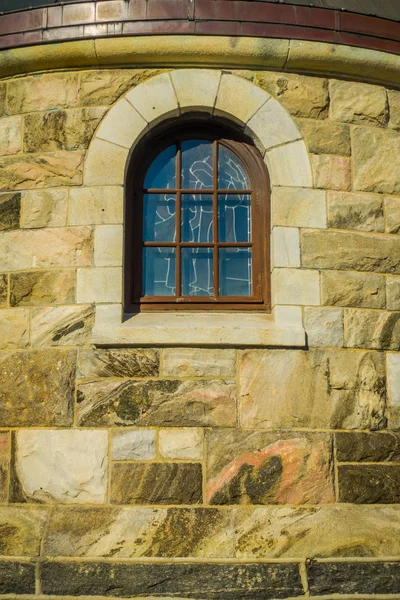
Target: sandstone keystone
pixel 62 325
pixel 363 290
pixel 355 211
pixel 392 212
pixel 358 103
pixel 374 167
pixel 14 328
pixel 42 92
pixel 350 251
pixel 96 205
pixel 73 466
pixel 372 329
pixel 4 466
pixel 10 135
pixel 324 137
pixel 139 444
pixel 45 376
pixel 324 327
pixel 367 447
pixel 335 389
pixel 303 96
pixel 184 443
pixel 21 529
pixel 3 290
pixel 369 484
pixel 100 88
pixel 164 403
pixel 45 208
pixel 37 288
pixel 198 362
pixel 118 362
pixel 332 172
pixel 393 293
pixel 10 211
pixel 298 207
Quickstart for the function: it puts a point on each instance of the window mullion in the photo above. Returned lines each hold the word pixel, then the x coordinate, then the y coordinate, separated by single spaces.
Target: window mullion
pixel 215 220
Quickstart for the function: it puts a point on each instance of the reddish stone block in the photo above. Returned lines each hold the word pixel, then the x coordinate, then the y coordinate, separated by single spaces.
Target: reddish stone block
pixel 145 27
pixel 218 27
pixel 167 9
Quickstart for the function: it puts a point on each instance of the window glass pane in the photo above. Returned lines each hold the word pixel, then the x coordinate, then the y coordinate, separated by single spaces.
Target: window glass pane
pixel 235 272
pixel 197 217
pixel 162 172
pixel 234 218
pixel 197 271
pixel 197 165
pixel 231 172
pixel 159 271
pixel 159 222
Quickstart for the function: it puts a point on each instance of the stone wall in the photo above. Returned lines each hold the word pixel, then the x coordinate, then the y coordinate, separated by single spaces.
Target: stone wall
pixel 216 472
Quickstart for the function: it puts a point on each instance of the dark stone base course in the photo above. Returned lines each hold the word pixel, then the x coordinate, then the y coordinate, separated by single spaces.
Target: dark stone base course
pixel 208 581
pixel 354 578
pixel 17 578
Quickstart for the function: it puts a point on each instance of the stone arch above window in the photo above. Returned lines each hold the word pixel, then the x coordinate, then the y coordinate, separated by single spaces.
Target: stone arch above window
pixel 276 135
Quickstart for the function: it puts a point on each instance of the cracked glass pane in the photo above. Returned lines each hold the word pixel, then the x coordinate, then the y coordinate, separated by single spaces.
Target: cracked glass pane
pixel 197 272
pixel 234 218
pixel 159 217
pixel 197 171
pixel 162 172
pixel 197 217
pixel 231 172
pixel 235 272
pixel 159 272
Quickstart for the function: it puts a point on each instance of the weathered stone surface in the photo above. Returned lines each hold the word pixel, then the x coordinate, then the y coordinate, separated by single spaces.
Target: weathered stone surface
pixel 194 581
pixel 350 251
pixel 14 328
pixel 3 290
pixel 100 88
pixel 184 443
pixel 96 205
pixel 41 248
pixel 355 211
pixel 374 167
pixel 354 578
pixel 61 130
pixel 353 102
pixel 332 172
pixel 369 484
pixel 256 467
pixel 42 92
pixel 61 326
pixel 364 290
pixel 118 362
pixel 28 171
pixel 44 208
pixel 298 207
pixel 393 378
pixel 394 108
pixel 37 388
pixel 3 98
pixel 372 329
pixel 139 444
pixel 198 362
pixel 156 483
pixel 324 327
pixel 166 403
pixel 73 466
pixel 335 389
pixel 10 211
pixel 393 293
pixel 325 137
pixel 102 284
pixel 21 530
pixel 392 213
pixel 140 532
pixel 17 578
pixel 302 96
pixel 296 286
pixel 35 288
pixel 10 135
pixel 4 467
pixel 367 447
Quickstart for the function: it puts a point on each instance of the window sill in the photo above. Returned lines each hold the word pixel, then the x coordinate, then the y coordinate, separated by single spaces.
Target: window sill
pixel 282 327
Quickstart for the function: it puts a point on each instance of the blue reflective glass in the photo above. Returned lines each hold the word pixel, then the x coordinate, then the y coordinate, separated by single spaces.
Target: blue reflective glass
pixel 159 222
pixel 197 171
pixel 197 271
pixel 162 172
pixel 197 217
pixel 235 272
pixel 234 218
pixel 159 272
pixel 231 172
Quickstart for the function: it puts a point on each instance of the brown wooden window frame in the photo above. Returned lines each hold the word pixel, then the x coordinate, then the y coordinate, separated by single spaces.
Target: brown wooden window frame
pixel 142 157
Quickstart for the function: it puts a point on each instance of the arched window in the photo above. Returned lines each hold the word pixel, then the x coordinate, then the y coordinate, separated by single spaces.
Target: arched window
pixel 197 233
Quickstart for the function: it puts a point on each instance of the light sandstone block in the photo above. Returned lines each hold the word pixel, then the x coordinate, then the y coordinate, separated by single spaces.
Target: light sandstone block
pixel 111 11
pixel 239 98
pixel 392 213
pixel 353 102
pixel 324 327
pixel 393 376
pixel 355 211
pixel 298 207
pixel 289 165
pixel 108 244
pixel 105 164
pixel 196 88
pixel 134 445
pixel 296 286
pixel 44 208
pixel 394 109
pixel 183 443
pixel 42 92
pixel 38 288
pixel 378 329
pixel 155 100
pixel 375 168
pixel 10 211
pixel 14 328
pixel 99 285
pixel 198 362
pixel 10 135
pixel 104 86
pixel 332 172
pixel 285 244
pixel 325 137
pixel 96 205
pixel 122 125
pixel 54 466
pixel 56 247
pixel 75 14
pixel 349 288
pixel 62 325
pixel 393 293
pixel 273 126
